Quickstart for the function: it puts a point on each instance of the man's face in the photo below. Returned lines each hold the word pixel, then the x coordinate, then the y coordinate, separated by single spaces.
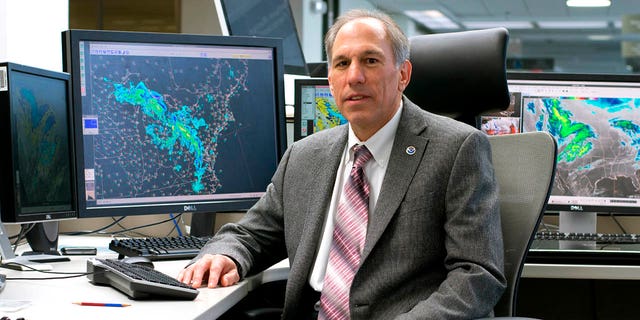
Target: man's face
pixel 363 76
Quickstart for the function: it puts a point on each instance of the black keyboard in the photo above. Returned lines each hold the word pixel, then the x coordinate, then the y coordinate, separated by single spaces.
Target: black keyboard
pixel 600 238
pixel 159 248
pixel 137 281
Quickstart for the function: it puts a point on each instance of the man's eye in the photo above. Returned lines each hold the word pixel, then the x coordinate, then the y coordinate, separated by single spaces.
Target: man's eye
pixel 340 64
pixel 372 60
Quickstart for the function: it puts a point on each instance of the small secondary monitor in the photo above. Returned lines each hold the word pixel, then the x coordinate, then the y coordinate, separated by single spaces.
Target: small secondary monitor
pixel 171 123
pixel 595 119
pixel 36 171
pixel 264 18
pixel 315 107
pixel 502 122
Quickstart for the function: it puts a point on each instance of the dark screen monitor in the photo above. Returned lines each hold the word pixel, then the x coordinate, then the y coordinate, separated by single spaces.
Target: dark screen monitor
pixel 315 108
pixel 595 119
pixel 36 171
pixel 264 18
pixel 172 123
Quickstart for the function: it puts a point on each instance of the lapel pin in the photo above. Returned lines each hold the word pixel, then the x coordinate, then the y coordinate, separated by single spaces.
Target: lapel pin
pixel 411 150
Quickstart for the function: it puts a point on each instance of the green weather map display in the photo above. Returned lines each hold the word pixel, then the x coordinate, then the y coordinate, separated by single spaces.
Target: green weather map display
pixel 42 142
pixel 319 110
pixel 172 126
pixel 598 143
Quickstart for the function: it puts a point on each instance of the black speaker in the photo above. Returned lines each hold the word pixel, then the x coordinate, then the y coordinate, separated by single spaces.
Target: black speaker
pixel 43 238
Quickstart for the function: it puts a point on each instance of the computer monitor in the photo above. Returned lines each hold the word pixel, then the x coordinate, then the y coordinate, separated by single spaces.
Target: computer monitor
pixel 264 18
pixel 36 171
pixel 172 123
pixel 595 119
pixel 315 108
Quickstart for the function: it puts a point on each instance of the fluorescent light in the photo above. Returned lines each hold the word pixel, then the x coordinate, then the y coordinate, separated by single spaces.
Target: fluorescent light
pixel 573 24
pixel 496 24
pixel 588 3
pixel 600 37
pixel 432 19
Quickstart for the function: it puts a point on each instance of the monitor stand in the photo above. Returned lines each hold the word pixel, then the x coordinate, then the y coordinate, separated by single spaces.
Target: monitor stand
pixel 202 224
pixel 577 222
pixel 35 261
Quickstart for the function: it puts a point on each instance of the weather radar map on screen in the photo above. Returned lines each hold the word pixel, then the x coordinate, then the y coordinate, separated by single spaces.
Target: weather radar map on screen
pixel 597 128
pixel 316 108
pixel 177 123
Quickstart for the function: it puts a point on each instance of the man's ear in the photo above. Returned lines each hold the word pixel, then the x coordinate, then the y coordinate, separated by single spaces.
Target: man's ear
pixel 405 75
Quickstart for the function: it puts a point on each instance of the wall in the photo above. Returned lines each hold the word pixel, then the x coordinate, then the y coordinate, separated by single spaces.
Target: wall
pixel 30 32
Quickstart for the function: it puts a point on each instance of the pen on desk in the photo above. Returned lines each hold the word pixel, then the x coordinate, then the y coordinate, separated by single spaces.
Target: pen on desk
pixel 101 304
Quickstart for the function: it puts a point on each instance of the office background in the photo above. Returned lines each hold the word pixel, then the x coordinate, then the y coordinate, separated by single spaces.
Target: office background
pixel 544 36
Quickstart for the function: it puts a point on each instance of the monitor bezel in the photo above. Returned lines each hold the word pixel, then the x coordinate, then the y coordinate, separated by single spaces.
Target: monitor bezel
pixel 71 39
pixel 11 211
pixel 226 29
pixel 569 78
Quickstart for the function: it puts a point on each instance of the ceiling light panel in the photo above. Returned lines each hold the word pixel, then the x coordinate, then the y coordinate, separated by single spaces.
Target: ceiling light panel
pixel 432 19
pixel 496 24
pixel 573 24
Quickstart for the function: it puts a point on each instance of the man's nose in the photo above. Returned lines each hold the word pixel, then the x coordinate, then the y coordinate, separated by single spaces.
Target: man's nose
pixel 355 73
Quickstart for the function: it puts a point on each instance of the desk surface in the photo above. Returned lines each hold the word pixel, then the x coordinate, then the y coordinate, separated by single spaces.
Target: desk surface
pixel 53 299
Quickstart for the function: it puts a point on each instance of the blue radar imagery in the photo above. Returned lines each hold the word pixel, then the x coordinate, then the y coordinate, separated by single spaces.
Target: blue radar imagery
pixel 161 127
pixel 598 143
pixel 42 145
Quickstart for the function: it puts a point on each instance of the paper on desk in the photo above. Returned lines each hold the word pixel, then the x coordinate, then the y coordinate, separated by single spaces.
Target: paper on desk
pixel 13 305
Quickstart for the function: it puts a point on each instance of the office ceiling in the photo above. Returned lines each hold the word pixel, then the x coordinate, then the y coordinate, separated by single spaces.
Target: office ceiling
pixel 537 12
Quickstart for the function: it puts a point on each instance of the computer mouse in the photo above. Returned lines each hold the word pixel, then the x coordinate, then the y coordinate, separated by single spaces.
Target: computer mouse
pixel 139 260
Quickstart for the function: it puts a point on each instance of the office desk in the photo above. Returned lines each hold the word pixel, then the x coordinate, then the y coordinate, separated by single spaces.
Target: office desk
pixel 53 299
pixel 579 271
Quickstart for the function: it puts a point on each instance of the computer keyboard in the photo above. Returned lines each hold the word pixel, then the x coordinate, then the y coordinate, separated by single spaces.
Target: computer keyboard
pixel 159 248
pixel 601 238
pixel 137 281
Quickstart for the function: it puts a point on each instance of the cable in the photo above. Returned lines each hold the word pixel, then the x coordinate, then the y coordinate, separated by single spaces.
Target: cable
pixel 172 218
pixel 613 217
pixel 80 233
pixel 68 274
pixel 175 224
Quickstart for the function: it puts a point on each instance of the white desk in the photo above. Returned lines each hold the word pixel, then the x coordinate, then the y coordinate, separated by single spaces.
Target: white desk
pixel 53 299
pixel 578 271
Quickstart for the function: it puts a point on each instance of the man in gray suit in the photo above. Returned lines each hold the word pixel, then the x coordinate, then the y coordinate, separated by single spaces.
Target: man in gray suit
pixel 433 247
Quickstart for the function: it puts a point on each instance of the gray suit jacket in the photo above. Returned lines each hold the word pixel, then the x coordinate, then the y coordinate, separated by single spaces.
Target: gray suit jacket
pixel 433 248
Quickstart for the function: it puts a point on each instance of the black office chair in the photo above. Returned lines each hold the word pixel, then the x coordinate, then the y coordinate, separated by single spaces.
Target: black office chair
pixel 460 74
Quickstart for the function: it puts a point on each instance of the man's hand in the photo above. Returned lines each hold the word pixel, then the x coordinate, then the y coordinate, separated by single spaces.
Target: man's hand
pixel 216 269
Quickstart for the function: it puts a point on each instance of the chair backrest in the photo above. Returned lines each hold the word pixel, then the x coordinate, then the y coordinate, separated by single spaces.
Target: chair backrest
pixel 460 74
pixel 524 165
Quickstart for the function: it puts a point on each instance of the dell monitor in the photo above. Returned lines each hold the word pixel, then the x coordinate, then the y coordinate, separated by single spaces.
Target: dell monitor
pixel 264 18
pixel 315 107
pixel 36 171
pixel 595 119
pixel 173 123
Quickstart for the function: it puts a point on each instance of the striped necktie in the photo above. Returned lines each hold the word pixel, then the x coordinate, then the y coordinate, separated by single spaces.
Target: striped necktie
pixel 348 241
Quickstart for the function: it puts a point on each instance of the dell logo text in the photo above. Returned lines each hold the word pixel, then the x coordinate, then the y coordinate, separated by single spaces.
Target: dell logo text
pixel 189 208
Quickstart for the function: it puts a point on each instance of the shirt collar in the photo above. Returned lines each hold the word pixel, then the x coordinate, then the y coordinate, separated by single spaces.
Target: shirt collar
pixel 381 142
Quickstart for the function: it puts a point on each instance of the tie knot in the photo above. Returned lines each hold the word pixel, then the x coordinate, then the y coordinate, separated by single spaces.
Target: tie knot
pixel 360 155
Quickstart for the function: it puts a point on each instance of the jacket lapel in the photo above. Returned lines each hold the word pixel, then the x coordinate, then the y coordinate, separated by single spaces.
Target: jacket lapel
pixel 406 154
pixel 325 169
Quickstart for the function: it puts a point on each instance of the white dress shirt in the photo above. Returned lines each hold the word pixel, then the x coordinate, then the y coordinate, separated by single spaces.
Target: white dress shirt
pixel 380 147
